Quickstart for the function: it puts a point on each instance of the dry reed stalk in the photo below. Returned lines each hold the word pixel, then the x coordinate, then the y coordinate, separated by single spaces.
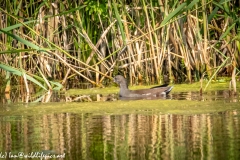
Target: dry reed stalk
pixel 137 43
pixel 66 76
pixel 8 83
pixel 181 49
pixel 139 50
pixel 129 50
pixel 85 36
pixel 101 39
pixel 73 69
pixel 174 41
pixel 152 50
pixel 233 81
pixel 155 33
pixel 205 37
pixel 26 83
pixel 82 63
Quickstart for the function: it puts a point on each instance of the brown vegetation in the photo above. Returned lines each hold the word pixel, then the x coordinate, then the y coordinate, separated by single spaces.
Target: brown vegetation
pixel 92 41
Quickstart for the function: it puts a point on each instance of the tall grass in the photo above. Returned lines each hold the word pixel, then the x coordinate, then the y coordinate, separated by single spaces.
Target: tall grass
pixel 56 43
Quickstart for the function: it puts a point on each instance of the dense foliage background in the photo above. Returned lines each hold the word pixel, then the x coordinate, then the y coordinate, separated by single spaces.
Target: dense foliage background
pixel 66 42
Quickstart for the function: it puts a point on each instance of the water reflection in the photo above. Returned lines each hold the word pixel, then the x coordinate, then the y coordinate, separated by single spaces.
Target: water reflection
pixel 15 97
pixel 225 95
pixel 129 136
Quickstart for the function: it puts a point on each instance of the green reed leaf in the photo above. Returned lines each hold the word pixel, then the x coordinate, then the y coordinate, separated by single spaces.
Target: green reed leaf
pixel 172 14
pixel 20 73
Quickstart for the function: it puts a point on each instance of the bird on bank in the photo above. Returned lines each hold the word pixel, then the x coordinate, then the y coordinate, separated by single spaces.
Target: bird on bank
pixel 157 91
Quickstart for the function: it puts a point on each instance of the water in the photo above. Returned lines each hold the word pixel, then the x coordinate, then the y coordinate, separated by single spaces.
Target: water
pixel 127 136
pixel 185 126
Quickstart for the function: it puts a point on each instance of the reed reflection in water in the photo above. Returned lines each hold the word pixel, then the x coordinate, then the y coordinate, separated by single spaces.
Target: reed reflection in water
pixel 17 97
pixel 128 136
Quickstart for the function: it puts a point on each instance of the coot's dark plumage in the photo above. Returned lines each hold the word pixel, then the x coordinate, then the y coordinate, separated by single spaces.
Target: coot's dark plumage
pixel 152 92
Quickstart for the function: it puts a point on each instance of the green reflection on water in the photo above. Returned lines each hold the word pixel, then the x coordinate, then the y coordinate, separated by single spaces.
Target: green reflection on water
pixel 141 129
pixel 153 135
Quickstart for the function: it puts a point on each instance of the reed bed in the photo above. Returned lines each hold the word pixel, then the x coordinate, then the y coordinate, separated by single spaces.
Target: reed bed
pixel 54 44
